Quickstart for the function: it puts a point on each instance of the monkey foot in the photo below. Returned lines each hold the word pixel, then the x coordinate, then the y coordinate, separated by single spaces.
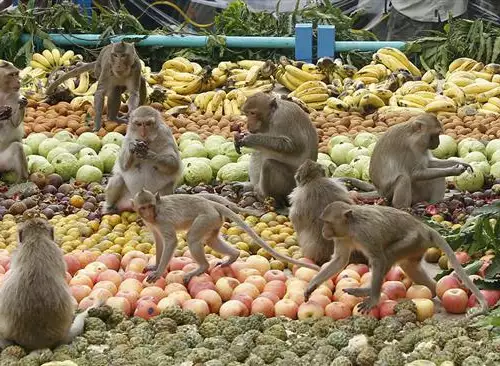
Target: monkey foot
pixel 474 312
pixel 358 292
pixel 5 343
pixel 223 264
pixel 285 211
pixel 150 268
pixel 109 210
pixel 367 305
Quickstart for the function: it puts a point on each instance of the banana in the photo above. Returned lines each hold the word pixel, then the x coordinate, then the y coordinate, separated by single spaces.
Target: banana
pixel 219 111
pixel 366 79
pixel 467 65
pixel 389 61
pixel 407 103
pixel 179 98
pixel 70 84
pixel 218 99
pixel 197 69
pixel 184 76
pixel 228 108
pixel 482 75
pixel 232 94
pixel 401 57
pixel 249 91
pixel 400 110
pixel 455 64
pixel 218 72
pixel 328 110
pixel 440 106
pixel 227 65
pixel 208 107
pixel 67 57
pixel 283 80
pixel 207 99
pixel 310 85
pixel 57 56
pixel 247 64
pixel 238 77
pixel 414 99
pixel 41 60
pixel 302 75
pixel 38 65
pixel 337 104
pixel 370 102
pixel 478 67
pixel 83 86
pixel 316 90
pixel 317 105
pixel 252 75
pixel 494 101
pixel 312 68
pixel 485 96
pixel 383 94
pixel 492 68
pixel 48 56
pixel 175 65
pixel 430 76
pixel 491 107
pixel 314 98
pixel 191 87
pixel 496 78
pixel 477 88
pixel 235 107
pixel 293 80
pixel 241 99
pixel 411 87
pixel 485 111
pixel 461 81
pixel 186 62
pixel 358 94
pixel 92 89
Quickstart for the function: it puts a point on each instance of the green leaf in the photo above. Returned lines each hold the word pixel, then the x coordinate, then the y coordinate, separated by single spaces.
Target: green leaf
pixel 484 284
pixel 493 270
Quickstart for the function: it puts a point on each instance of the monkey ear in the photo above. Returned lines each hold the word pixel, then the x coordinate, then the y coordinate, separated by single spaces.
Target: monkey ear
pixel 20 235
pixel 143 190
pixel 158 197
pixel 273 103
pixel 52 237
pixel 418 125
pixel 348 214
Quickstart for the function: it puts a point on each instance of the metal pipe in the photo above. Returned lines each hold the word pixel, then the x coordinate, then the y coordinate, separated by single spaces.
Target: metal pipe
pixel 343 46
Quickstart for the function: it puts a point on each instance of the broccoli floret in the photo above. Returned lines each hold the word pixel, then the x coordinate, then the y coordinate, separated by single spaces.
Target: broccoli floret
pixel 350 352
pixel 428 332
pixel 338 339
pixel 384 333
pixel 118 351
pixel 214 318
pixel 421 363
pixel 241 347
pixel 266 352
pixel 190 334
pixel 115 339
pixel 163 324
pixel 95 337
pixel 366 356
pixel 82 361
pixel 322 327
pixel 208 330
pixel 390 356
pixel 319 359
pixel 455 343
pixel 409 327
pixel 391 322
pixel 297 327
pixel 170 361
pixel 327 350
pixel 376 343
pixel 218 342
pixel 254 360
pixel 182 355
pixel 364 324
pixel 64 352
pixel 174 313
pixel 441 356
pixel 102 312
pixel 227 358
pixel 13 351
pixel 138 353
pixel 144 331
pixel 492 358
pixel 80 344
pixel 173 346
pixel 301 346
pixel 120 362
pixel 189 317
pixel 277 331
pixel 231 332
pixel 115 319
pixel 473 361
pixel 405 305
pixel 214 363
pixel 406 316
pixel 125 326
pixel 254 321
pixel 252 335
pixel 200 355
pixel 96 358
pixel 341 361
pixel 462 353
pixel 95 324
pixel 268 339
pixel 268 323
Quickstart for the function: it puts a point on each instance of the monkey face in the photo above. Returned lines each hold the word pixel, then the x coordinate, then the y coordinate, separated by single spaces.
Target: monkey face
pixel 121 63
pixel 147 212
pixel 9 79
pixel 335 219
pixel 144 128
pixel 253 121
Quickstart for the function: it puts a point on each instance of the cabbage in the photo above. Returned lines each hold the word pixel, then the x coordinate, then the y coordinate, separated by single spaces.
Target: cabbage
pixel 43 167
pixel 338 153
pixel 196 172
pixel 244 157
pixel 247 150
pixel 88 174
pixel 492 147
pixel 474 156
pixel 233 172
pixel 365 174
pixel 91 140
pixel 357 151
pixel 27 150
pixel 92 160
pixel 323 156
pixel 228 149
pixel 72 147
pixel 470 145
pixel 64 136
pixel 189 136
pixel 218 161
pixel 364 139
pixel 495 158
pixel 188 160
pixel 337 140
pixel 447 147
pixel 194 150
pixel 65 165
pixel 110 146
pixel 346 170
pixel 470 181
pixel 483 166
pixel 9 177
pixel 112 138
pixel 213 143
pixel 47 145
pixel 185 143
pixel 32 159
pixel 360 163
pixel 86 151
pixel 495 170
pixel 34 140
pixel 371 147
pixel 328 165
pixel 108 158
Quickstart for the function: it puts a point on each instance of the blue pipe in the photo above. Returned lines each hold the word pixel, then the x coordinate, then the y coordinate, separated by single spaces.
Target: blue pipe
pixel 343 46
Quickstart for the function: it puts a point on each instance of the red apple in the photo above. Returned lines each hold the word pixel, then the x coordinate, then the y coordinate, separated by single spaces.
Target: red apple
pixel 320 299
pixel 366 278
pixel 244 273
pixel 243 298
pixel 337 310
pixel 190 267
pixel 120 303
pixel 218 272
pixel 395 274
pixel 425 308
pixel 146 309
pixel 346 283
pixel 360 268
pixel 462 257
pixel 108 285
pixel 178 263
pixel 197 306
pixel 174 287
pixel 455 301
pixel 72 263
pixel 110 275
pixel 263 305
pixel 135 275
pixel 286 307
pixel 87 302
pixel 180 296
pixel 347 273
pixel 248 289
pixel 131 284
pixel 203 278
pixel 200 286
pixel 310 310
pixel 212 298
pixel 491 296
pixel 233 308
pixel 419 292
pixel 130 255
pixel 131 295
pixel 111 260
pixel 175 277
pixel 277 287
pixel 271 296
pixel 350 300
pixel 67 276
pixel 225 287
pixel 373 312
pixel 155 292
pixel 89 274
pixel 136 265
pixel 237 266
pixel 82 280
pixel 305 274
pixel 96 267
pixel 259 263
pixel 305 260
pixel 445 283
pixel 386 308
pixel 258 281
pixel 80 291
pixel 84 256
pixel 274 274
pixel 394 289
pixel 101 293
pixel 167 302
pixel 160 282
pixel 296 296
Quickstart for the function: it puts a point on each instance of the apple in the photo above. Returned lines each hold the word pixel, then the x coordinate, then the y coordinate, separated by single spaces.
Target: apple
pixel 350 300
pixel 320 299
pixel 219 272
pixel 89 274
pixel 407 282
pixel 130 255
pixel 111 260
pixel 445 283
pixel 178 263
pixel 373 312
pixel 394 289
pixel 419 292
pixel 160 282
pixel 305 274
pixel 462 257
pixel 347 273
pixel 360 268
pixel 120 303
pixel 244 298
pixel 238 266
pixel 386 308
pixel 84 257
pixel 190 267
pixel 258 281
pixel 337 310
pixel 274 274
pixel 296 284
pixel 180 296
pixel 271 296
pixel 176 276
pixel 67 276
pixel 131 284
pixel 323 290
pixel 310 310
pixel 139 276
pixel 247 288
pixel 305 260
pixel 212 298
pixel 287 308
pixel 110 275
pixel 146 309
pixel 87 302
pixel 366 278
pixel 233 308
pixel 197 306
pixel 396 273
pixel 259 263
pixel 72 263
pixel 225 287
pixel 101 293
pixel 167 302
pixel 263 305
pixel 96 267
pixel 244 273
pixel 425 308
pixel 347 283
pixel 203 278
pixel 455 301
pixel 491 296
pixel 131 295
pixel 81 279
pixel 200 286
pixel 297 296
pixel 174 287
pixel 108 285
pixel 155 292
pixel 80 291
pixel 136 265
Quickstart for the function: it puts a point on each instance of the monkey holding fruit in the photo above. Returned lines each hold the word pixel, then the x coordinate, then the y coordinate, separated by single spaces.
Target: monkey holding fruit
pixel 385 235
pixel 203 218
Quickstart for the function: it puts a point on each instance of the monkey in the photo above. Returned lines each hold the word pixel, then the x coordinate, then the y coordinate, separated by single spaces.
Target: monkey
pixel 12 108
pixel 203 218
pixel 402 167
pixel 117 69
pixel 282 135
pixel 36 307
pixel 386 235
pixel 314 191
pixel 149 157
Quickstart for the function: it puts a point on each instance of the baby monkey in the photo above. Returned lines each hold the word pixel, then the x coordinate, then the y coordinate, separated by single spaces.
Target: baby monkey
pixel 203 218
pixel 385 235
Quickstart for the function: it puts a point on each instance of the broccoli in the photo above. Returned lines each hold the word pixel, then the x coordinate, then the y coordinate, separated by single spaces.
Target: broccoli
pixel 13 351
pixel 95 324
pixel 268 323
pixel 208 330
pixel 462 353
pixel 138 353
pixel 341 361
pixel 163 324
pixel 473 361
pixel 115 319
pixel 441 356
pixel 124 326
pixel 64 352
pixel 30 360
pixel 10 361
pixel 95 358
pixel 366 356
pixel 406 316
pixel 174 313
pixel 103 312
pixel 327 350
pixel 254 360
pixel 190 334
pixel 350 352
pixel 115 339
pixel 377 343
pixel 231 332
pixel 289 362
pixel 173 346
pixel 391 322
pixel 301 346
pixel 227 358
pixel 421 363
pixel 214 363
pixel 268 339
pixel 423 351
pixel 338 339
pixel 268 353
pixel 277 331
pixel 428 331
pixel 455 343
pixel 82 361
pixel 217 342
pixel 95 337
pixel 200 355
pixel 188 317
pixel 390 356
pixel 252 335
pixel 182 355
pixel 322 327
pixel 297 327
pixel 80 344
pixel 215 319
pixel 492 358
pixel 320 359
pixel 364 324
pixel 405 305
pixel 254 321
pixel 384 333
pixel 119 351
pixel 45 355
pixel 120 362
pixel 240 347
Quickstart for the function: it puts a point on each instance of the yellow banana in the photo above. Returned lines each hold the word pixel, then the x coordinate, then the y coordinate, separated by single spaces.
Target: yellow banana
pixel 184 76
pixel 252 75
pixel 232 94
pixel 316 90
pixel 460 81
pixel 415 99
pixel 328 110
pixel 37 65
pixel 492 68
pixel 310 85
pixel 227 65
pixel 241 99
pixel 219 111
pixel 400 110
pixel 496 78
pixel 247 64
pixel 302 75
pixel 440 106
pixel 495 101
pixel 175 65
pixel 191 87
pixel 455 64
pixel 186 62
pixel 478 67
pixel 337 104
pixel 485 96
pixel 249 91
pixel 370 102
pixel 67 56
pixel 389 61
pixel 313 98
pixel 482 75
pixel 410 104
pixel 218 72
pixel 208 107
pixel 208 96
pixel 57 56
pixel 218 99
pixel 92 89
pixel 491 107
pixel 383 94
pixel 48 56
pixel 477 88
pixel 235 107
pixel 83 86
pixel 430 76
pixel 310 68
pixel 41 60
pixel 228 108
pixel 293 80
pixel 317 105
pixel 401 57
pixel 467 65
pixel 350 101
pixel 197 69
pixel 485 111
pixel 180 98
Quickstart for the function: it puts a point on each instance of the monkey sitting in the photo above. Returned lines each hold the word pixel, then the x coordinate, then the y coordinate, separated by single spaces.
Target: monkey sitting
pixel 12 108
pixel 314 191
pixel 149 158
pixel 283 137
pixel 203 219
pixel 402 167
pixel 36 307
pixel 385 235
pixel 118 69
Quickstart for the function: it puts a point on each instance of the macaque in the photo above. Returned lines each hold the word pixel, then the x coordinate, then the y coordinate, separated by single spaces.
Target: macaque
pixel 36 305
pixel 203 218
pixel 313 193
pixel 283 137
pixel 117 69
pixel 402 167
pixel 12 107
pixel 149 158
pixel 385 235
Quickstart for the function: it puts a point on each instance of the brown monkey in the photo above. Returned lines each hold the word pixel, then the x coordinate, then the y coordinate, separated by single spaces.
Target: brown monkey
pixel 282 136
pixel 12 107
pixel 385 235
pixel 402 167
pixel 118 69
pixel 313 193
pixel 36 308
pixel 203 218
pixel 149 158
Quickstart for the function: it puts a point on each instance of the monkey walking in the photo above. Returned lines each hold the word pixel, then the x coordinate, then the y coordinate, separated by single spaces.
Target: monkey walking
pixel 149 158
pixel 204 218
pixel 385 235
pixel 118 69
pixel 12 108
pixel 314 191
pixel 402 167
pixel 282 135
pixel 36 308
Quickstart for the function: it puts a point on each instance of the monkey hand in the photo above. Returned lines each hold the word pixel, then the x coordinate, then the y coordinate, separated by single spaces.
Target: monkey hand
pixel 474 312
pixel 467 166
pixel 5 112
pixel 366 305
pixel 307 293
pixel 140 148
pixel 460 168
pixel 23 102
pixel 239 141
pixel 153 276
pixel 150 268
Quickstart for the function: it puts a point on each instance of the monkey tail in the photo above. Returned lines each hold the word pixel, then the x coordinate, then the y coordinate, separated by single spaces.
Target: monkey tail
pixel 233 207
pixel 445 247
pixel 224 211
pixel 358 183
pixel 71 74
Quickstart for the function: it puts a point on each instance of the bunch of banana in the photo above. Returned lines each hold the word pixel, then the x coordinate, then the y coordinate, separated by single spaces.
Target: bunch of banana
pixel 291 76
pixel 176 100
pixel 312 93
pixel 491 106
pixel 50 60
pixel 400 110
pixel 258 74
pixel 84 87
pixel 441 103
pixel 78 102
pixel 335 69
pixel 212 103
pixel 454 92
pixel 363 100
pixel 182 76
pixel 151 78
pixel 395 60
pixel 411 87
pixel 465 64
pixel 430 76
pixel 372 73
